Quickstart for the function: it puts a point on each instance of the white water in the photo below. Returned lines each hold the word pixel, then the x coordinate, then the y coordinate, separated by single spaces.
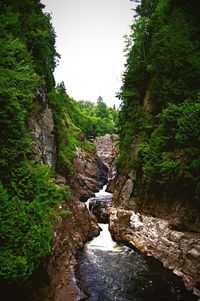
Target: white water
pixel 100 194
pixel 113 272
pixel 103 241
pixel 103 192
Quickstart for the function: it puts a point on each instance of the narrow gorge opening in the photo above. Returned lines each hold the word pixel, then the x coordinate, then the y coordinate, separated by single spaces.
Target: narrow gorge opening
pixel 109 270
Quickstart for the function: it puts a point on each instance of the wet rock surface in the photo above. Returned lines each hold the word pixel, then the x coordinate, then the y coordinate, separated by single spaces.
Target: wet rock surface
pixel 179 251
pixel 100 208
pixel 109 271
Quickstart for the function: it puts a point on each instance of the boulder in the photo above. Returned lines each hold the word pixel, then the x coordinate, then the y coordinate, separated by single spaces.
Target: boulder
pixel 100 208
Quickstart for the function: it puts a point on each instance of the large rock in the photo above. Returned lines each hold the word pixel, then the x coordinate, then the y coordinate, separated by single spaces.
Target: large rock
pixel 108 150
pixel 179 251
pixel 89 176
pixel 41 125
pixel 100 207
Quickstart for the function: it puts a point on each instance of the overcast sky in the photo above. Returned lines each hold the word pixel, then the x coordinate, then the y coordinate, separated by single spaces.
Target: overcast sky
pixel 90 42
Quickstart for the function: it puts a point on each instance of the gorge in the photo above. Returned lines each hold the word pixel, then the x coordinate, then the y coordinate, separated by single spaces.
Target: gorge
pixel 57 154
pixel 113 271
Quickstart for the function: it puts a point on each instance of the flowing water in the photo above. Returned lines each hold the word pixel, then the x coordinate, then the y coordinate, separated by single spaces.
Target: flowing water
pixel 103 193
pixel 109 271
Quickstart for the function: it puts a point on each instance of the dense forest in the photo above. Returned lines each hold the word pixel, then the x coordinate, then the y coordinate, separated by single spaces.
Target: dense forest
pixel 29 196
pixel 78 123
pixel 159 119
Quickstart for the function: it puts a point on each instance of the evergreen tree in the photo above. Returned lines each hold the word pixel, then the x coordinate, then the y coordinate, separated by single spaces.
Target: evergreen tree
pixel 28 194
pixel 161 86
pixel 102 111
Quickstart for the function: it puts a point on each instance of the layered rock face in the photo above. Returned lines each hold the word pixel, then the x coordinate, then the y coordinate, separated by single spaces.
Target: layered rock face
pixel 179 251
pixel 168 231
pixel 107 151
pixel 41 125
pixel 89 176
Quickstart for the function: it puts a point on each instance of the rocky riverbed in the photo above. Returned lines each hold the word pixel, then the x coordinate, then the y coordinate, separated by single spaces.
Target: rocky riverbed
pixel 110 271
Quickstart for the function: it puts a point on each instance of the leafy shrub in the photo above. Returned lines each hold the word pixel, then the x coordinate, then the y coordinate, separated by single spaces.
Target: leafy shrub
pixel 26 213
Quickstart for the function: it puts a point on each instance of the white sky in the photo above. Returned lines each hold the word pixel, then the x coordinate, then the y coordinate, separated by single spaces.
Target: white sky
pixel 90 42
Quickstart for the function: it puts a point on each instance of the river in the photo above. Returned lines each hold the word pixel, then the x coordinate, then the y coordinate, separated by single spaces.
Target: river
pixel 109 271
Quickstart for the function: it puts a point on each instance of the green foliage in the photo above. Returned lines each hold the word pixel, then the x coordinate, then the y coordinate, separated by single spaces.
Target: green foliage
pixel 174 62
pixel 68 126
pixel 26 212
pixel 76 121
pixel 171 158
pixel 98 119
pixel 160 99
pixel 28 193
pixel 18 83
pixel 25 20
pixel 101 110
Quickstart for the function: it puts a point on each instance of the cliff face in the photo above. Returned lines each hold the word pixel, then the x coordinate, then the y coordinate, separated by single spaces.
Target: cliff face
pixel 157 185
pixel 163 227
pixel 74 231
pixel 167 230
pixel 89 176
pixel 41 125
pixel 108 150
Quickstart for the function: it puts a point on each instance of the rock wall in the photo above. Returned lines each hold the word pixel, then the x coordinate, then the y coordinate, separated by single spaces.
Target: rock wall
pixel 55 279
pixel 108 150
pixel 69 239
pixel 166 230
pixel 177 250
pixel 41 125
pixel 90 174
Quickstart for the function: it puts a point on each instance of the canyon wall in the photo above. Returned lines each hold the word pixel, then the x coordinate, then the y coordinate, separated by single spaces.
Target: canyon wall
pixel 55 279
pixel 167 230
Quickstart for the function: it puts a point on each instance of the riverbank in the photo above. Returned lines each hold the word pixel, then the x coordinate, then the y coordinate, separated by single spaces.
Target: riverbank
pixel 178 251
pixel 110 271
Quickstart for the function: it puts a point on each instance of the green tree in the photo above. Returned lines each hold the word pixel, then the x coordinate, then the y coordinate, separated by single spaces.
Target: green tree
pixel 28 194
pixel 160 93
pixel 101 110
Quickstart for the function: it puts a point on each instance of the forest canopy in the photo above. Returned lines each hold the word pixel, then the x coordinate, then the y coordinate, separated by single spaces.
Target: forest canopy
pixel 160 99
pixel 28 195
pixel 29 198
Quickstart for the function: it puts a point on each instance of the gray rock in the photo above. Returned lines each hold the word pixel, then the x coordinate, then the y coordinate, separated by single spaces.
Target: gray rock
pixel 179 251
pixel 41 126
